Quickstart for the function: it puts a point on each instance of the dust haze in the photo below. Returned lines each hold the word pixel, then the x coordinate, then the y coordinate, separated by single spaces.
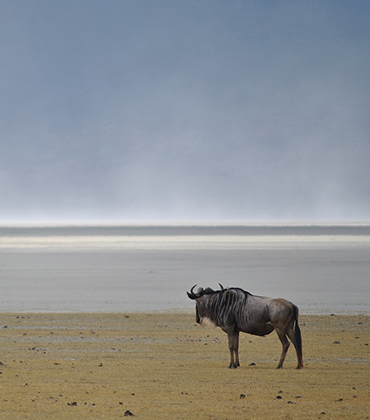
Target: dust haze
pixel 172 111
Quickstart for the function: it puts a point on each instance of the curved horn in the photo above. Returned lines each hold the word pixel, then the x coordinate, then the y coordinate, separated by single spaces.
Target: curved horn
pixel 191 294
pixel 222 287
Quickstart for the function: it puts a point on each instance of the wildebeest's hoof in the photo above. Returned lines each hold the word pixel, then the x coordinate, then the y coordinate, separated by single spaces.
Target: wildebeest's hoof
pixel 232 366
pixel 299 367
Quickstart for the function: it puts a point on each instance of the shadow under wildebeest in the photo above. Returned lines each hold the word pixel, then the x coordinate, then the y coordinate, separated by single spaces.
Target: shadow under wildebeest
pixel 235 310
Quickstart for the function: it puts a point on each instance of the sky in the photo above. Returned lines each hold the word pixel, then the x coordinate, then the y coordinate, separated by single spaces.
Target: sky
pixel 182 110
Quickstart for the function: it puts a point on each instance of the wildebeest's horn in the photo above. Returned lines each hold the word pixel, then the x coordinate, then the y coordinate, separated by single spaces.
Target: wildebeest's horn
pixel 222 287
pixel 191 294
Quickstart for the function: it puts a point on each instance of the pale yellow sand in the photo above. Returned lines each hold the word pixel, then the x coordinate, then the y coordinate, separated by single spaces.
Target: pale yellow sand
pixel 165 366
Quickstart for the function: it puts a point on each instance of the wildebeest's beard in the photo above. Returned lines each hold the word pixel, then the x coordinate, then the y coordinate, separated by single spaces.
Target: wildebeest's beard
pixel 197 314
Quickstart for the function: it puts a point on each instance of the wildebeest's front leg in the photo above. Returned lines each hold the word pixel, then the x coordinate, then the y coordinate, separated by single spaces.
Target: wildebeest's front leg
pixel 234 349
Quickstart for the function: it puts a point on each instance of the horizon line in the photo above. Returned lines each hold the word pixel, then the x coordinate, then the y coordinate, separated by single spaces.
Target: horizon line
pixel 176 223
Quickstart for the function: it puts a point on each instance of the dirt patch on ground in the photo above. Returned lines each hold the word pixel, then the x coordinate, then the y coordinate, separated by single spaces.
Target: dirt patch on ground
pixel 165 366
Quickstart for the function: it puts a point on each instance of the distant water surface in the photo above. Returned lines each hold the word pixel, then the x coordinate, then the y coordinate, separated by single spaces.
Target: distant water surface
pixel 144 268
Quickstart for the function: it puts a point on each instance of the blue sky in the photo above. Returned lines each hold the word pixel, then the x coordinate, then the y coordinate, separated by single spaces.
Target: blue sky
pixel 170 111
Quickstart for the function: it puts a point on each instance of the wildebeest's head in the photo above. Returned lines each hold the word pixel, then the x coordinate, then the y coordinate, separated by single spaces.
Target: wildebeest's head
pixel 201 292
pixel 201 297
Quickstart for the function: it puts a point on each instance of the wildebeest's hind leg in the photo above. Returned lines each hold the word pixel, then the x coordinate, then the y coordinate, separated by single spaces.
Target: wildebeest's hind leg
pixel 234 349
pixel 285 342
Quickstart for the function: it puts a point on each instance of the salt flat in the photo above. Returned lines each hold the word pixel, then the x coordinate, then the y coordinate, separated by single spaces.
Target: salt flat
pixel 322 269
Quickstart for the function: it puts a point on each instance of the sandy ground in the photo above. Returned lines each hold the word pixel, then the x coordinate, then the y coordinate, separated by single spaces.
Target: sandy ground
pixel 165 366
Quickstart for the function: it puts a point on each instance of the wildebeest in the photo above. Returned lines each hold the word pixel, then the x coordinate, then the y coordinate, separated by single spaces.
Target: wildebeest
pixel 234 310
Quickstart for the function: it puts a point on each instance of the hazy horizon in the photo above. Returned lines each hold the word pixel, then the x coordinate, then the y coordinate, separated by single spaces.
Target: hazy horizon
pixel 184 112
pixel 184 223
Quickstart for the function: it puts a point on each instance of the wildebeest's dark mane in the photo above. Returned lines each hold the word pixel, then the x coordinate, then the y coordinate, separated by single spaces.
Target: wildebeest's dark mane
pixel 209 291
pixel 219 305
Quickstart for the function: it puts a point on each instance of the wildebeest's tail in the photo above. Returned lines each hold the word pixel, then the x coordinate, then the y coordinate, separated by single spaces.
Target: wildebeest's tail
pixel 298 338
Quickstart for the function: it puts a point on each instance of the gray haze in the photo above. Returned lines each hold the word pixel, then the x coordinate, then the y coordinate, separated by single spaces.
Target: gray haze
pixel 184 110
